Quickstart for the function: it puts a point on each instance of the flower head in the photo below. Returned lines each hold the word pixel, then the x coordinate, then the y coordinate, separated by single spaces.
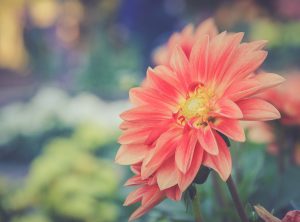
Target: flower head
pixel 286 97
pixel 291 216
pixel 281 136
pixel 265 215
pixel 185 39
pixel 182 108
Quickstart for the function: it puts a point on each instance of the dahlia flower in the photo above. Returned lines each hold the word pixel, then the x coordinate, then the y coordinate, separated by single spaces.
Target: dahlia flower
pixel 286 98
pixel 259 132
pixel 182 108
pixel 291 216
pixel 185 39
pixel 280 139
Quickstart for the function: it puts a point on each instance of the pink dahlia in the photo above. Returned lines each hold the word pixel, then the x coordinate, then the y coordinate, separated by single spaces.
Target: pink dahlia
pixel 281 136
pixel 185 39
pixel 286 97
pixel 181 109
pixel 291 216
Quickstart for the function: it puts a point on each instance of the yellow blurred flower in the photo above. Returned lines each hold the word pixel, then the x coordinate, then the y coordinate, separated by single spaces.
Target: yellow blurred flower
pixel 12 51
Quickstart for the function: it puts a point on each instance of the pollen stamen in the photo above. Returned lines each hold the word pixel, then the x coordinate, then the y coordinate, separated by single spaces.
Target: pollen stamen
pixel 195 109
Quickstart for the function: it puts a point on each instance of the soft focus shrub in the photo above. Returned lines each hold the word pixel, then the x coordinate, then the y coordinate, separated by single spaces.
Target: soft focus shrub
pixel 69 183
pixel 31 218
pixel 52 108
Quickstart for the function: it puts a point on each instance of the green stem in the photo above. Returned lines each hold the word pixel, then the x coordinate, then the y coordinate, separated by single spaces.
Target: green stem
pixel 219 195
pixel 236 200
pixel 196 207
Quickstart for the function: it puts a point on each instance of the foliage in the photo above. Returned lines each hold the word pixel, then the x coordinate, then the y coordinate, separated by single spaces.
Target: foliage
pixel 111 66
pixel 69 183
pixel 34 122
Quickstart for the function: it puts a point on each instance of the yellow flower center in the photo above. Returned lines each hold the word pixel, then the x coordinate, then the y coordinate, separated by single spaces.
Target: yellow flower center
pixel 196 107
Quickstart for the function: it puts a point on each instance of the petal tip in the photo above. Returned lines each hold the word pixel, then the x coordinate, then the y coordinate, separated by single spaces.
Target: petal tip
pixel 242 138
pixel 277 115
pixel 125 204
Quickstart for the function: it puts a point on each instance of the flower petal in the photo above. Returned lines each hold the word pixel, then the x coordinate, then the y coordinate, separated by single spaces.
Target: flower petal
pixel 207 140
pixel 248 87
pixel 228 108
pixel 230 128
pixel 141 96
pixel 268 80
pixel 134 196
pixel 185 150
pixel 221 163
pixel 136 168
pixel 258 109
pixel 292 216
pixel 244 62
pixel 255 45
pixel 152 197
pixel 134 181
pixel 146 112
pixel 174 193
pixel 207 27
pixel 139 123
pixel 265 215
pixel 169 76
pixel 134 136
pixel 186 179
pixel 167 174
pixel 165 148
pixel 198 59
pixel 225 49
pixel 131 154
pixel 180 65
pixel 162 85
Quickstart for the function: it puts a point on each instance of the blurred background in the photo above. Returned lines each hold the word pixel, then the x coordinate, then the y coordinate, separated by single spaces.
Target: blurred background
pixel 65 70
